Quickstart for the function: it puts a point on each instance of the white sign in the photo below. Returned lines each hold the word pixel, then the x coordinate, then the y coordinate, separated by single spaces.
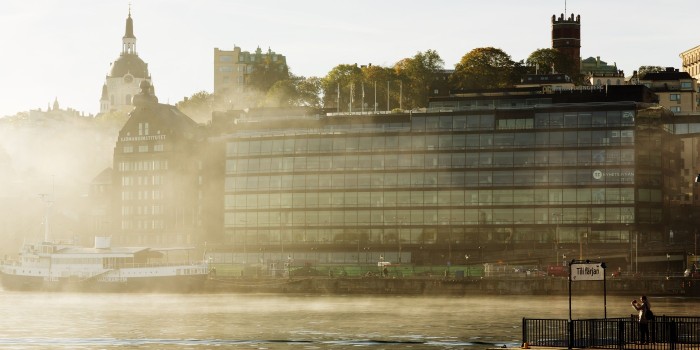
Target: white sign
pixel 587 272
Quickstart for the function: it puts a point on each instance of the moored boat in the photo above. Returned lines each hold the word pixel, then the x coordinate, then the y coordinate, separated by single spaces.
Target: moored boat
pixel 60 266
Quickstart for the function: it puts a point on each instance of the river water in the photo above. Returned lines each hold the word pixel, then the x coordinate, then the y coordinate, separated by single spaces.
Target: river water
pixel 271 321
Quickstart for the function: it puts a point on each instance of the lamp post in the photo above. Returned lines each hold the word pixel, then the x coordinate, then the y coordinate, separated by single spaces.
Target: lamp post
pixel 556 217
pixel 668 264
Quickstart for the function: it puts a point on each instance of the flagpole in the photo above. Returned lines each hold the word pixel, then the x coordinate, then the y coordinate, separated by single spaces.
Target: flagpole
pixel 363 97
pixel 375 97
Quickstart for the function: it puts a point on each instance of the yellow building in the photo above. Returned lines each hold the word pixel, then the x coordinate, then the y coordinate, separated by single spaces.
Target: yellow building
pixel 233 71
pixel 691 61
pixel 677 91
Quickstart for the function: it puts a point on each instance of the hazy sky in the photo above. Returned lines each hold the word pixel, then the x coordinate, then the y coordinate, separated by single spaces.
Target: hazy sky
pixel 64 48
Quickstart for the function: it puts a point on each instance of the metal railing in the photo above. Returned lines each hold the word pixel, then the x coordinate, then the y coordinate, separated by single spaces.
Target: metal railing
pixel 665 332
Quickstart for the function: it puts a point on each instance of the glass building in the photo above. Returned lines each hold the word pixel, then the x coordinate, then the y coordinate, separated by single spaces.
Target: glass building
pixel 529 178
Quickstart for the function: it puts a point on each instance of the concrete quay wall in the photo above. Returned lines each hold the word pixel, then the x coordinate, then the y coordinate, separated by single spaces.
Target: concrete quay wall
pixel 465 286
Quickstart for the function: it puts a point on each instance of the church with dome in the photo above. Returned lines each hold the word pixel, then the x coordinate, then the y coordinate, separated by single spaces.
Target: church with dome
pixel 125 75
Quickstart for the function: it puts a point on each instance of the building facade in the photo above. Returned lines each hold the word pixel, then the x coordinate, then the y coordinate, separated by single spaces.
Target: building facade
pixel 520 176
pixel 677 91
pixel 233 72
pixel 156 198
pixel 125 75
pixel 690 62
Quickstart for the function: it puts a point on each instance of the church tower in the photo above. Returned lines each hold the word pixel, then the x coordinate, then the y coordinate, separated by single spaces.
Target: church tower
pixel 125 75
pixel 566 37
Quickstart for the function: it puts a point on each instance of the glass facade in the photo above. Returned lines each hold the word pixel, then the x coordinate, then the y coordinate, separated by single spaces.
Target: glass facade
pixel 450 180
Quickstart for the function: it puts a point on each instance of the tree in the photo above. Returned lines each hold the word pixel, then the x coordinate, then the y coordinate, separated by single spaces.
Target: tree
pixel 267 72
pixel 298 91
pixel 484 68
pixel 418 73
pixel 309 91
pixel 199 106
pixel 375 79
pixel 545 61
pixel 340 86
pixel 649 69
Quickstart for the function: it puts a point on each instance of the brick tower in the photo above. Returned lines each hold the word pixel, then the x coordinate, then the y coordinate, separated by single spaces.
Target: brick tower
pixel 566 36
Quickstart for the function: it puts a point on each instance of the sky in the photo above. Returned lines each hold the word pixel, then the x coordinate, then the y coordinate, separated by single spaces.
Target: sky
pixel 63 49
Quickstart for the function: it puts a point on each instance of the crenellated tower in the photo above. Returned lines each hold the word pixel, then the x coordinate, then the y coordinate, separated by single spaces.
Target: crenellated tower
pixel 566 36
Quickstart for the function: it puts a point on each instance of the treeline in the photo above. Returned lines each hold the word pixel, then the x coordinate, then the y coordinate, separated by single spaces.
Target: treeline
pixel 408 83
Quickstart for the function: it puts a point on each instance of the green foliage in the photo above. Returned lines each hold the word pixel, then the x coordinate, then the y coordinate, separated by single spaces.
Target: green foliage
pixel 199 106
pixel 484 68
pixel 267 72
pixel 418 72
pixel 339 84
pixel 295 92
pixel 649 69
pixel 347 86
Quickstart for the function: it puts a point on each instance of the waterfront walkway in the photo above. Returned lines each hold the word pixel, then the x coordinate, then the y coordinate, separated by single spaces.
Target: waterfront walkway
pixel 666 332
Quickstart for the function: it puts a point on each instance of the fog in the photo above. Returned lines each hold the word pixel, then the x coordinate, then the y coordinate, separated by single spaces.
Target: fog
pixel 56 154
pixel 93 321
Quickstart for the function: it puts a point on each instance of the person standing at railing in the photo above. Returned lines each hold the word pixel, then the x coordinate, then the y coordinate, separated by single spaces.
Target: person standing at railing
pixel 642 308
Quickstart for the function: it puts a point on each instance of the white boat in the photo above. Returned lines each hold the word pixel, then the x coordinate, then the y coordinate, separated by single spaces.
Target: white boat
pixel 49 266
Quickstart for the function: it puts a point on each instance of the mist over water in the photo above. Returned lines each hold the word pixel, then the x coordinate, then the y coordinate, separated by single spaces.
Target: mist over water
pixel 261 321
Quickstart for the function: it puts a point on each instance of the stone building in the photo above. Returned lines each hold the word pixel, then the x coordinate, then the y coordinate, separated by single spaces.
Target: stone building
pixel 156 177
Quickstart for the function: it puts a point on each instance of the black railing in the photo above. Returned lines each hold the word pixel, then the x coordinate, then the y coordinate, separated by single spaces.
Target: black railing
pixel 665 332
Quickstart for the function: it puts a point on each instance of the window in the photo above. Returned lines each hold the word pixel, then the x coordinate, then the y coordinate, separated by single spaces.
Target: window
pixel 128 149
pixel 676 109
pixel 225 58
pixel 675 97
pixel 686 85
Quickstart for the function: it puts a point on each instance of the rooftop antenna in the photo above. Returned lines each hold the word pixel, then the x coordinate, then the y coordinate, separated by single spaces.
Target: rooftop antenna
pixel 565 13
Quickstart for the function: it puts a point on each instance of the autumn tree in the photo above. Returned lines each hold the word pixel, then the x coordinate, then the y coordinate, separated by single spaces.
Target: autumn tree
pixel 417 74
pixel 484 68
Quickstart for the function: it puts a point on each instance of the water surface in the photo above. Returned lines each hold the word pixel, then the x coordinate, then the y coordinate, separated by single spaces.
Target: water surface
pixel 269 321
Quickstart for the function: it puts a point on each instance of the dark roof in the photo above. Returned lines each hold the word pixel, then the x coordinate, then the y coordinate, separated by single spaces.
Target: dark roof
pixel 161 117
pixel 129 63
pixel 666 76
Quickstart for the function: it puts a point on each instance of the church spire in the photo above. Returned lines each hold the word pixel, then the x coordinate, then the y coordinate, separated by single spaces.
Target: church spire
pixel 129 40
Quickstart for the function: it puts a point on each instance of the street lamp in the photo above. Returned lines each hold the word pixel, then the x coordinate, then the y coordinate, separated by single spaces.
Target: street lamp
pixel 668 264
pixel 557 217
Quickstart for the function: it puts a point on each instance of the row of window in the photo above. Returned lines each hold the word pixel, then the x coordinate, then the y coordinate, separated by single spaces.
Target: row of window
pixel 482 178
pixel 147 180
pixel 150 224
pixel 431 217
pixel 486 198
pixel 142 210
pixel 382 143
pixel 143 165
pixel 142 148
pixel 141 195
pixel 483 159
pixel 366 237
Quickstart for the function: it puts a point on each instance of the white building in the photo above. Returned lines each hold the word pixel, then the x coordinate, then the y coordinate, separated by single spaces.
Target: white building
pixel 125 75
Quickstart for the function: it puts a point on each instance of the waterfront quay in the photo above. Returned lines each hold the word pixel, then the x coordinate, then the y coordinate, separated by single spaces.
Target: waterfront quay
pixel 451 285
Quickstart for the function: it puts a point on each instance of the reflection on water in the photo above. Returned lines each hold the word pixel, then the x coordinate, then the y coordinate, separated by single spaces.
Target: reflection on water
pixel 256 321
